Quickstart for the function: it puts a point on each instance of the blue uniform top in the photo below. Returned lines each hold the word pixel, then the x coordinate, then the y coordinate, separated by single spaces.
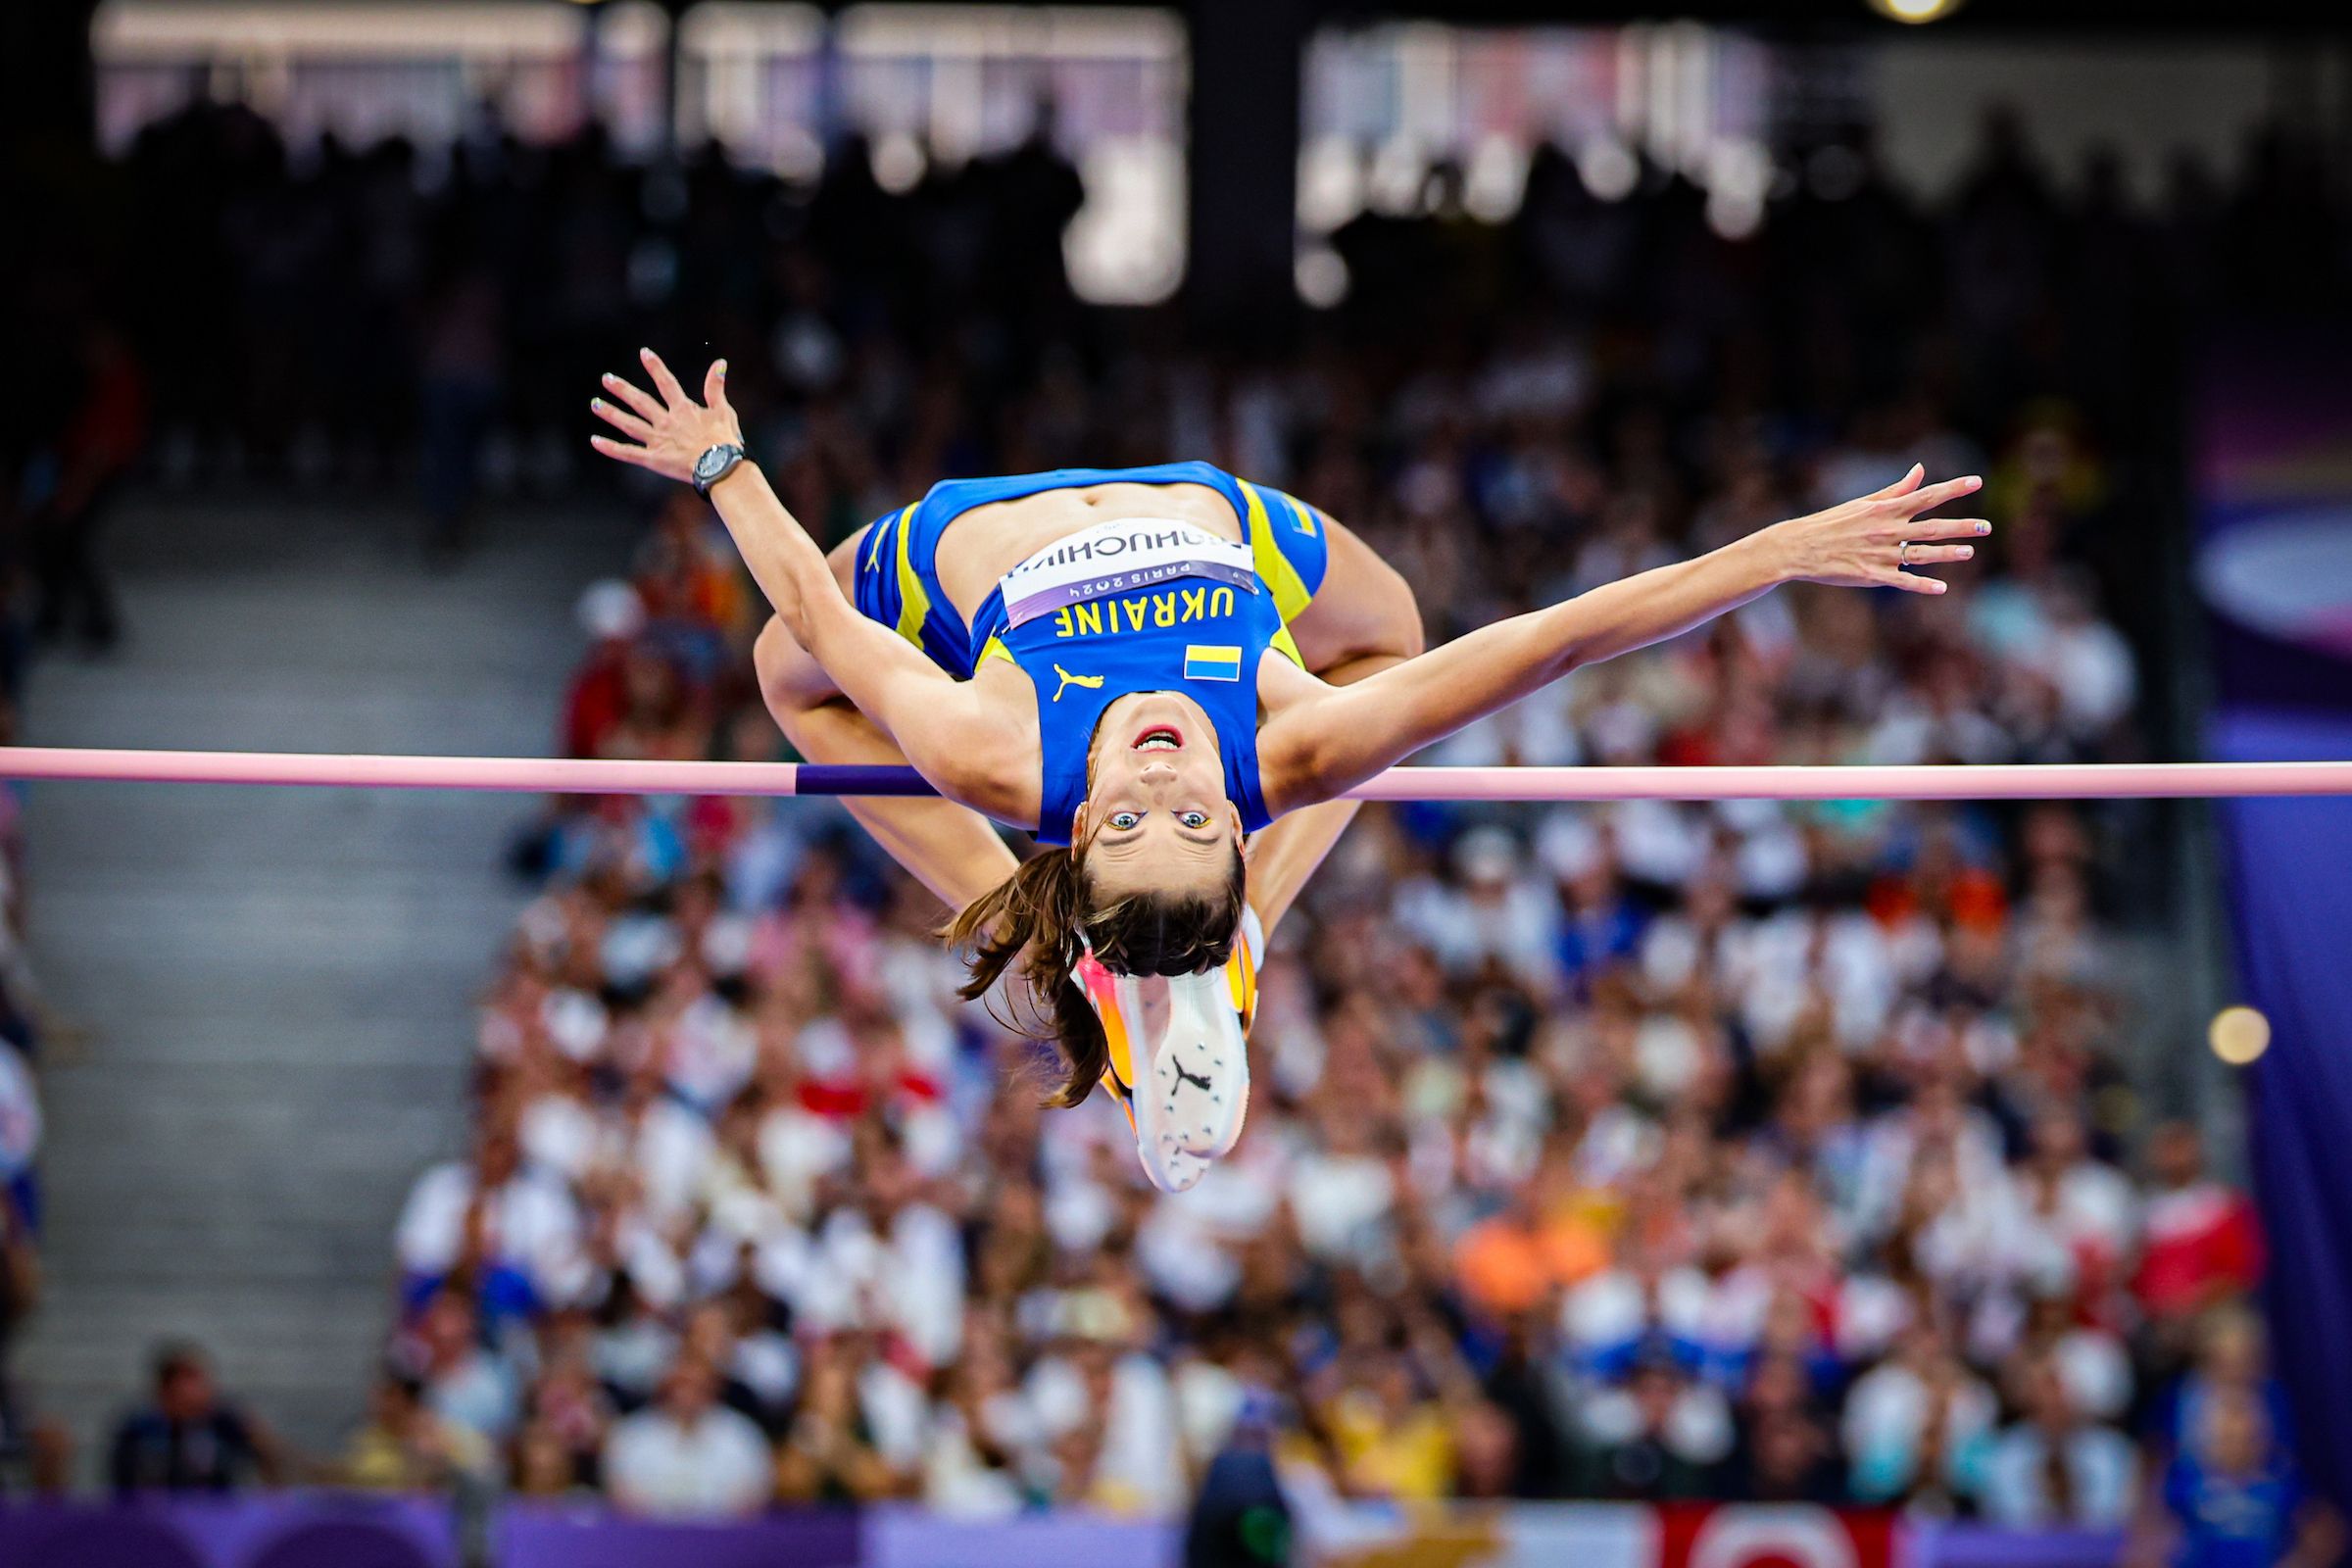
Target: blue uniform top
pixel 1178 628
pixel 2245 1521
pixel 1188 633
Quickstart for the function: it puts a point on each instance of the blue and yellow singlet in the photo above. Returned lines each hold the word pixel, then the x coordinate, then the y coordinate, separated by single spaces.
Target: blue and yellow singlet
pixel 1129 605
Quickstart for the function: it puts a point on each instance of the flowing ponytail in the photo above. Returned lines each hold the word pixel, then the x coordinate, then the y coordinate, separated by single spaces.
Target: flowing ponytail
pixel 1035 917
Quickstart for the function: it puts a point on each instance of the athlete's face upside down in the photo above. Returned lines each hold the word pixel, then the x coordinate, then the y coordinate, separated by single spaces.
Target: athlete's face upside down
pixel 1155 819
pixel 1152 884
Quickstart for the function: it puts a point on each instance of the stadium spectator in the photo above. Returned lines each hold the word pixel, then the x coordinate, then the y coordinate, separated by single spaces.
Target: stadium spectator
pixel 2052 1467
pixel 613 617
pixel 2231 1357
pixel 100 443
pixel 2236 1500
pixel 1239 1516
pixel 466 1382
pixel 1786 1456
pixel 686 1456
pixel 405 1446
pixel 34 1450
pixel 1919 1424
pixel 1390 1437
pixel 1660 1438
pixel 830 1454
pixel 190 1439
pixel 2203 1244
pixel 511 1231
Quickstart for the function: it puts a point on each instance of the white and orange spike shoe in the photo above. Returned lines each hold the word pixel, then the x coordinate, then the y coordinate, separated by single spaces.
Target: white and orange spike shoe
pixel 1179 1059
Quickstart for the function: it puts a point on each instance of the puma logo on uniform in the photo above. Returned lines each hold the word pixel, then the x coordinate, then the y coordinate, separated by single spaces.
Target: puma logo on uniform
pixel 1069 681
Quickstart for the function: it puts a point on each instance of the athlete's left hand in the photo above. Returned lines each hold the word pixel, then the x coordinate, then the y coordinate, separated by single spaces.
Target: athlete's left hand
pixel 670 430
pixel 1876 541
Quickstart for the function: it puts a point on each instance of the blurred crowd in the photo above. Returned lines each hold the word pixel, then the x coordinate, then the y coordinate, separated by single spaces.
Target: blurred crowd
pixel 1643 1152
pixel 345 314
pixel 1646 1152
pixel 1650 1152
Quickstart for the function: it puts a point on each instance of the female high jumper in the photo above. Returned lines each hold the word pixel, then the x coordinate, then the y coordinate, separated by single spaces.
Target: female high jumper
pixel 1082 654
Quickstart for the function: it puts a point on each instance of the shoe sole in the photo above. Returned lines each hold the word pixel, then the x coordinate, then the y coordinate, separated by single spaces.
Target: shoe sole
pixel 1201 1094
pixel 1171 1168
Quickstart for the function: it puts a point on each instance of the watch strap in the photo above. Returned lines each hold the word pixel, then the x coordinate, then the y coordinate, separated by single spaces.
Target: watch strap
pixel 706 474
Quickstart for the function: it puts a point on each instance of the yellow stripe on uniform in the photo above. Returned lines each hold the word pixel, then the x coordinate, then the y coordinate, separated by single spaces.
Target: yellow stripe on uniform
pixel 1120 1056
pixel 914 605
pixel 1274 568
pixel 1240 978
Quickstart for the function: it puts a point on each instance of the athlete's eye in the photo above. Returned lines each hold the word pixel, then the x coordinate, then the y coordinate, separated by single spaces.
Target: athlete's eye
pixel 1194 820
pixel 1123 820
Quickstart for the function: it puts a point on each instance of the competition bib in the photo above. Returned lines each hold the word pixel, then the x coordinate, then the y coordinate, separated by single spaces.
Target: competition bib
pixel 1111 558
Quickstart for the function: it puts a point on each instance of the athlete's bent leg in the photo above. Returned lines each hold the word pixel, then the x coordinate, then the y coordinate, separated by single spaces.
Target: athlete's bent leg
pixel 951 849
pixel 1362 613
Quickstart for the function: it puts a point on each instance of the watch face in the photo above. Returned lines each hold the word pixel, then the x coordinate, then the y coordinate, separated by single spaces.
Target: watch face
pixel 713 463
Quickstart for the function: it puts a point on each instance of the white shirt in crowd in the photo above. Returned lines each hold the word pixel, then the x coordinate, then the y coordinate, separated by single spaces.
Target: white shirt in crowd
pixel 1336 1198
pixel 958 1482
pixel 1614 1308
pixel 1516 923
pixel 1140 1457
pixel 714 1468
pixel 2098 1460
pixel 1887 1414
pixel 911 1277
pixel 532 1225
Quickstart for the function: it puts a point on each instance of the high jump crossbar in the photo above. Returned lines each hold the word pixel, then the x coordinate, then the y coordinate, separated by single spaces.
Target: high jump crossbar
pixel 576 776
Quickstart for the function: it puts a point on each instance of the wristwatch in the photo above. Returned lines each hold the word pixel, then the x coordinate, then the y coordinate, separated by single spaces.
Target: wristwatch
pixel 715 465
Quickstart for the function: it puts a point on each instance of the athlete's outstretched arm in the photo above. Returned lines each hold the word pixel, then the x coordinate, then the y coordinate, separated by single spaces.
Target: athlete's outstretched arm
pixel 936 720
pixel 1320 745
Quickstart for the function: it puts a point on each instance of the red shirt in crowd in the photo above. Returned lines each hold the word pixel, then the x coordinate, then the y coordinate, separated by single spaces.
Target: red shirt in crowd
pixel 2202 1240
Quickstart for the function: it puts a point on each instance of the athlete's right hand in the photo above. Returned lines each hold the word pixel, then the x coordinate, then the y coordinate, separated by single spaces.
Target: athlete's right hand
pixel 671 430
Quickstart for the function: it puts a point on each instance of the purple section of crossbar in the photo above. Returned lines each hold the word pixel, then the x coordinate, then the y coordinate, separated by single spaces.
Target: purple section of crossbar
pixel 862 781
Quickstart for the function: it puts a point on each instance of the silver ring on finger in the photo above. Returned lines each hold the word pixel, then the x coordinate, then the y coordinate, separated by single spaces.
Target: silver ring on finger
pixel 1902 555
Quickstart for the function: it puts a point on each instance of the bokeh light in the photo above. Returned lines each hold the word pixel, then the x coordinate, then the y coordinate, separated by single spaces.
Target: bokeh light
pixel 1915 12
pixel 2239 1034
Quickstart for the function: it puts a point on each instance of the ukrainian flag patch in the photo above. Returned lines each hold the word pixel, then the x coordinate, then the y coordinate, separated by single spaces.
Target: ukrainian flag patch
pixel 1212 664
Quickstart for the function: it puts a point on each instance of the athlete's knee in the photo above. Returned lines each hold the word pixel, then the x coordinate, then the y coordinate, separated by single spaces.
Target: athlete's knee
pixel 1401 614
pixel 788 678
pixel 772 648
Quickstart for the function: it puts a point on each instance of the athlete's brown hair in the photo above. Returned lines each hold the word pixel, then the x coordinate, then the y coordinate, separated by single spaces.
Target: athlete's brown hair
pixel 1045 916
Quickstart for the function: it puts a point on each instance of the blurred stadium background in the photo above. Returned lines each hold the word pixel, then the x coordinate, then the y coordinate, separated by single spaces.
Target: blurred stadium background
pixel 416 1180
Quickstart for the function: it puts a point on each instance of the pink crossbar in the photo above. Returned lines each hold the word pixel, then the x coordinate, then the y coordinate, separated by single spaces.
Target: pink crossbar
pixel 571 777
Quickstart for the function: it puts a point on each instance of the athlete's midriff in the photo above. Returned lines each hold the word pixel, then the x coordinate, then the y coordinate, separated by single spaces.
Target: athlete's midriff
pixel 984 542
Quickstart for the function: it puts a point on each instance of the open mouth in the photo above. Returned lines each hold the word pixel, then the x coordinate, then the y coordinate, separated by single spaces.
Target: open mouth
pixel 1159 737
